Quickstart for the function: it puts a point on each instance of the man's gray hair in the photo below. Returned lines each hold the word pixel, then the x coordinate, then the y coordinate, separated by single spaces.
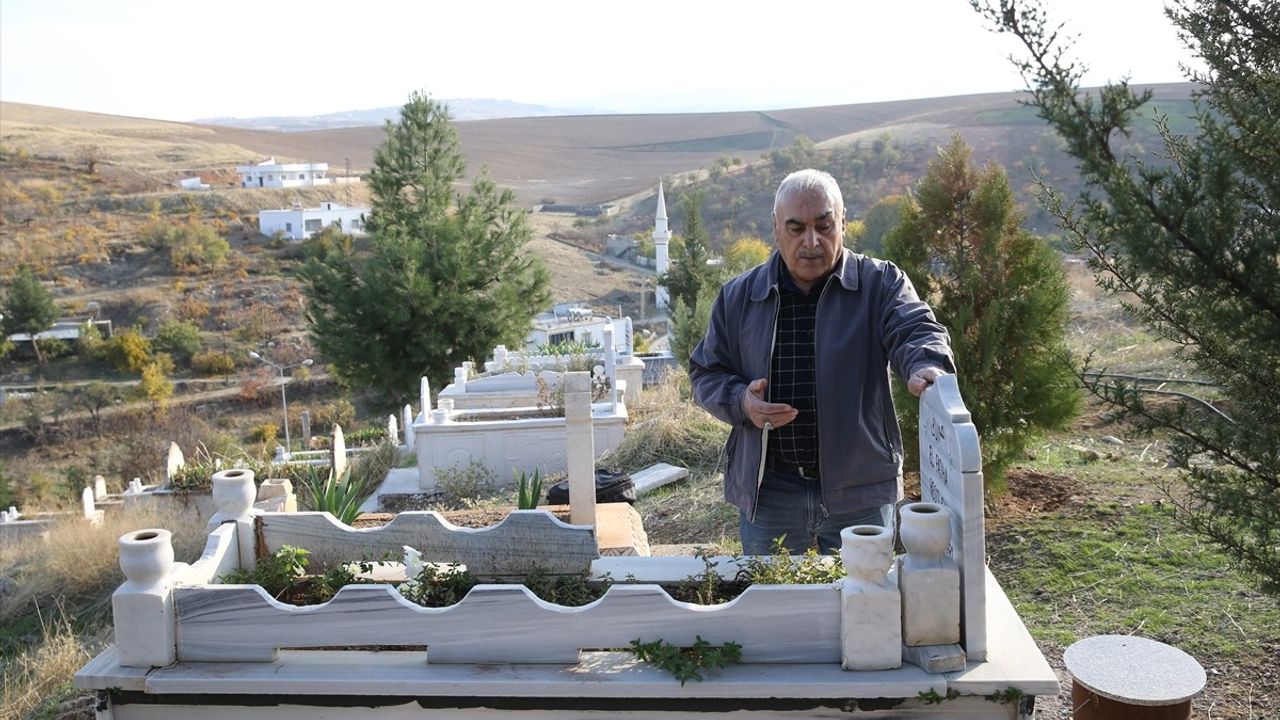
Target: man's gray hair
pixel 806 181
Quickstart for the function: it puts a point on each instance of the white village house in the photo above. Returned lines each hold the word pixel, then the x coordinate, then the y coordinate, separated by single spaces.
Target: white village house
pixel 300 223
pixel 272 174
pixel 570 323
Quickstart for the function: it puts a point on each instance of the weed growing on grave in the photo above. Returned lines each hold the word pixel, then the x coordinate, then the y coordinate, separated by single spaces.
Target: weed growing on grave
pixel 196 474
pixel 933 698
pixel 780 568
pixel 462 486
pixel 433 586
pixel 566 590
pixel 686 663
pixel 283 574
pixel 706 587
pixel 1006 696
pixel 528 489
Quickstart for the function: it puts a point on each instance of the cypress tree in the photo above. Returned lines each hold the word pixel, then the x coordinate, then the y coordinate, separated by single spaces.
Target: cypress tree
pixel 1003 295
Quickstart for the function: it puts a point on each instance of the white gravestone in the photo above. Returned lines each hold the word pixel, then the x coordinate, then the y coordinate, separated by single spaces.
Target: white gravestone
pixel 580 450
pixel 173 463
pixel 407 426
pixel 99 487
pixel 424 399
pixel 951 475
pixel 393 430
pixel 338 453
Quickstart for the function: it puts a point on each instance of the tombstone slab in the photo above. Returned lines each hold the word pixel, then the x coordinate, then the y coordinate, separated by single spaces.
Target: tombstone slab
pixel 951 475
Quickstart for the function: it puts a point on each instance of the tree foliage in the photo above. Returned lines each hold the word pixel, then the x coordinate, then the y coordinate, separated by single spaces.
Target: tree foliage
pixel 880 218
pixel 744 254
pixel 1003 295
pixel 191 245
pixel 180 339
pixel 691 283
pixel 1192 234
pixel 689 270
pixel 128 350
pixel 93 398
pixel 28 308
pixel 445 277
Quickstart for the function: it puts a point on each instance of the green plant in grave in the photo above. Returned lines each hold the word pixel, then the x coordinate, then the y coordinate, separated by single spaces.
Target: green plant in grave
pixel 340 497
pixel 528 488
pixel 780 568
pixel 283 574
pixel 686 662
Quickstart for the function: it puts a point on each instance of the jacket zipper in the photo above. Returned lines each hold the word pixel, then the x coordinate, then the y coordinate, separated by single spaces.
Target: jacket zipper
pixel 822 504
pixel 764 432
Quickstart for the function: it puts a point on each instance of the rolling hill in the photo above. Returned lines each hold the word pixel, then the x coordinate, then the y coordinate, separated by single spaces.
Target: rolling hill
pixel 571 159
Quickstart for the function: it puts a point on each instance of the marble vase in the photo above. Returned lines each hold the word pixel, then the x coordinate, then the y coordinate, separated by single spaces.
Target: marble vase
pixel 870 604
pixel 928 578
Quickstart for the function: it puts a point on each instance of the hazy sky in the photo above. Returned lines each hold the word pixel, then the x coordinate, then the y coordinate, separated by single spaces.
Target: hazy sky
pixel 179 60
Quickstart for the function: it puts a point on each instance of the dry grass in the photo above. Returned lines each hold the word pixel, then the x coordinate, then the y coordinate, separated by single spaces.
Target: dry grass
pixel 79 563
pixel 42 674
pixel 668 427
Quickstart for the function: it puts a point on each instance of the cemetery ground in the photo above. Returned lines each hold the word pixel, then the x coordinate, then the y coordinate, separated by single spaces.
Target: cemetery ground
pixel 1084 541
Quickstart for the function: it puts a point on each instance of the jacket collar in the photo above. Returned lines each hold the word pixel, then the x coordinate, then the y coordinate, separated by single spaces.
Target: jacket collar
pixel 765 277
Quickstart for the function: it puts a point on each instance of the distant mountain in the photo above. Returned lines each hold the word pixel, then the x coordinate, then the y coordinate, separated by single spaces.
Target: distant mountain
pixel 459 109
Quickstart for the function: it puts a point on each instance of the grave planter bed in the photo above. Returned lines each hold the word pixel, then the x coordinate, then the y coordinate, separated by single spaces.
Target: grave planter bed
pixel 228 623
pixel 190 646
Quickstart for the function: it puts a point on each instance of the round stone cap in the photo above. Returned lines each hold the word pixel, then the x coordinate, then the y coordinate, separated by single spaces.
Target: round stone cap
pixel 1134 670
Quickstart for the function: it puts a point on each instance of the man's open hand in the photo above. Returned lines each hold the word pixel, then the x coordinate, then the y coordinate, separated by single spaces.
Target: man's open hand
pixel 760 412
pixel 922 379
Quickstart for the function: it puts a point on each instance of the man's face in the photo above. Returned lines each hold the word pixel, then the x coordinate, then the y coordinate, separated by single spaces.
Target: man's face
pixel 809 229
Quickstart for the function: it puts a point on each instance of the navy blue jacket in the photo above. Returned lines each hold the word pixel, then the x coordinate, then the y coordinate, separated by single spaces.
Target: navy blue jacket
pixel 868 319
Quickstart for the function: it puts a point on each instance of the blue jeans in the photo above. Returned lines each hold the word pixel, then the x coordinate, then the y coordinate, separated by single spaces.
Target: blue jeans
pixel 791 506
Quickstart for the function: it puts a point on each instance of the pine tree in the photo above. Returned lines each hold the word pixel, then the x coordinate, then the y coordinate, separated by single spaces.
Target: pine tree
pixel 691 282
pixel 28 308
pixel 1193 235
pixel 1003 295
pixel 444 278
pixel 689 270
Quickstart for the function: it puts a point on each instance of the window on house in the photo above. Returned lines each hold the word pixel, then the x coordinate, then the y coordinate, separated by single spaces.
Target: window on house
pixel 288 227
pixel 313 225
pixel 560 337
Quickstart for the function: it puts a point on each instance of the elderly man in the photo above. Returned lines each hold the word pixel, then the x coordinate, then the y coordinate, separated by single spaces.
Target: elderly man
pixel 796 359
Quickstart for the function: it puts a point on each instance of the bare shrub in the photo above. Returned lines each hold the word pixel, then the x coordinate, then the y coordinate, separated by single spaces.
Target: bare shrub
pixel 463 486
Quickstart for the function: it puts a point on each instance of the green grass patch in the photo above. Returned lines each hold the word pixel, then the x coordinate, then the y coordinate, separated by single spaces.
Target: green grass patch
pixel 1111 569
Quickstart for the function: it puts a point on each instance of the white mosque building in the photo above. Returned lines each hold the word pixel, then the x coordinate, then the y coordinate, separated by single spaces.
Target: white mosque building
pixel 661 238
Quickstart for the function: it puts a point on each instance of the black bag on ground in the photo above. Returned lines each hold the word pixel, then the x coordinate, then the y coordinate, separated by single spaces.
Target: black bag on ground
pixel 610 487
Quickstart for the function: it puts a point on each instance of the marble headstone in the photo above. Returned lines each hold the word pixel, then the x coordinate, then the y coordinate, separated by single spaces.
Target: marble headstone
pixel 951 475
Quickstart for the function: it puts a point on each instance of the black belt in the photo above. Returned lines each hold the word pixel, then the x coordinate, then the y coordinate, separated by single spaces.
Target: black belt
pixel 809 472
